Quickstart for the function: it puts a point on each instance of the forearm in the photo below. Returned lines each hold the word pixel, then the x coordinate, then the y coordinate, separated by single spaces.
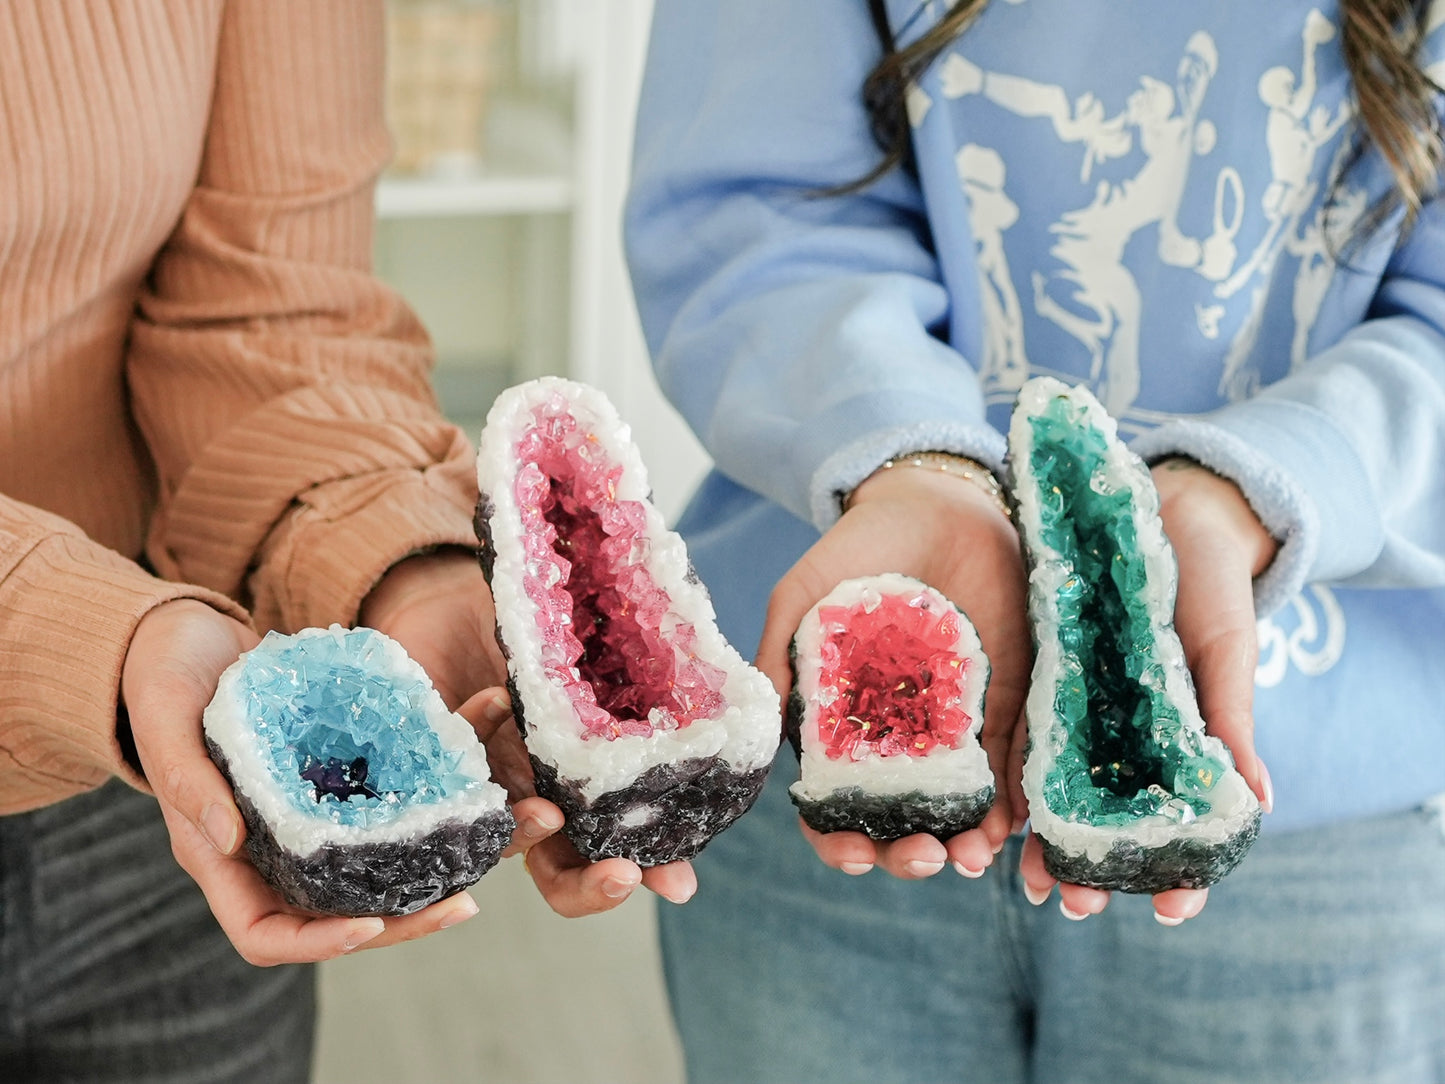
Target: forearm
pixel 282 390
pixel 791 324
pixel 68 608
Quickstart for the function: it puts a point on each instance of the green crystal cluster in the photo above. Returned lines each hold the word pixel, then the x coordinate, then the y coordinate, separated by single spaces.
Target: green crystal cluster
pixel 1127 753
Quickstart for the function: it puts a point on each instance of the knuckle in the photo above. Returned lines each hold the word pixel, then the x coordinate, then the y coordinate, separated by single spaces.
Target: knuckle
pixel 175 784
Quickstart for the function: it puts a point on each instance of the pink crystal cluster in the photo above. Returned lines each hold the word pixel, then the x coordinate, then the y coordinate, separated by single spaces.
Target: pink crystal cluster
pixel 897 677
pixel 628 664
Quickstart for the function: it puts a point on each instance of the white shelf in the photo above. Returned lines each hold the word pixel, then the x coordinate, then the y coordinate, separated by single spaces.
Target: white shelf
pixel 500 194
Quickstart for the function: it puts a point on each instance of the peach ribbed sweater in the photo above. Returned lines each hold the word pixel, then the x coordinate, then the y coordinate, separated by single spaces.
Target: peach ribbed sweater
pixel 194 360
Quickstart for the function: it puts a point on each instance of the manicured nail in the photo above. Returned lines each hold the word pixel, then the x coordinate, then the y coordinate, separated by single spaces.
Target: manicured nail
pixel 1075 916
pixel 497 710
pixel 219 828
pixel 1169 920
pixel 919 868
pixel 964 871
pixel 681 897
pixel 361 933
pixel 1035 896
pixel 615 888
pixel 465 908
pixel 855 869
pixel 1268 803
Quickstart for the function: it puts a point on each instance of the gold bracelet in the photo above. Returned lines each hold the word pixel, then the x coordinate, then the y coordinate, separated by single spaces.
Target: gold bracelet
pixel 947 463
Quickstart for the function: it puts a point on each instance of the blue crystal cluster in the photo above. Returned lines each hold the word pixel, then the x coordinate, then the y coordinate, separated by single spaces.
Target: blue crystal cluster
pixel 348 737
pixel 1128 753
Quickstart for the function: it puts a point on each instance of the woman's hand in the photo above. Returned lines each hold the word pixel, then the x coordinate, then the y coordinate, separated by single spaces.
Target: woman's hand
pixel 571 885
pixel 171 670
pixel 949 533
pixel 1220 546
pixel 439 608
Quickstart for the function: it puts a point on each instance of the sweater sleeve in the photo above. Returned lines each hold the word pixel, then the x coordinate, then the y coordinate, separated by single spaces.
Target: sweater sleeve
pixel 68 607
pixel 795 329
pixel 1345 458
pixel 283 391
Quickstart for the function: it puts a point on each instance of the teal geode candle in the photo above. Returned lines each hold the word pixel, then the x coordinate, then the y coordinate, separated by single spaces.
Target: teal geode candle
pixel 1125 788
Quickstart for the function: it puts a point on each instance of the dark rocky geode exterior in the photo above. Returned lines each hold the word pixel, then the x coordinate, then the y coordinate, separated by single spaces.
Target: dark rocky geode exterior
pixel 886 817
pixel 695 799
pixel 384 878
pixel 1130 867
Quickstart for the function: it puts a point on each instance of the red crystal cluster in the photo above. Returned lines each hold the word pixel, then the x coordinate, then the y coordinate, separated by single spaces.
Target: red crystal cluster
pixel 897 676
pixel 628 663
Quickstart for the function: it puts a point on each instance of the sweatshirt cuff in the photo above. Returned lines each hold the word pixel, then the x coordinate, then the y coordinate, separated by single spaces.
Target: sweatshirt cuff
pixel 330 551
pixel 68 610
pixel 1293 454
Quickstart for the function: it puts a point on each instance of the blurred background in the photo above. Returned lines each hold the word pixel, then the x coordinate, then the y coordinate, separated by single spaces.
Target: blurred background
pixel 500 223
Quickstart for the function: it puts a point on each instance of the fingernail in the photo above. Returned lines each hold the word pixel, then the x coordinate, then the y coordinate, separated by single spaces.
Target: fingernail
pixel 964 871
pixel 997 847
pixel 615 888
pixel 681 897
pixel 497 710
pixel 219 828
pixel 1075 916
pixel 1035 896
pixel 361 933
pixel 920 868
pixel 466 907
pixel 1268 803
pixel 855 869
pixel 1168 920
pixel 536 828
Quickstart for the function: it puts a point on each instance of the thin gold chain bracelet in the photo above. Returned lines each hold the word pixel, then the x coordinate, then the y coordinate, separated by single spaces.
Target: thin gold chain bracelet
pixel 947 463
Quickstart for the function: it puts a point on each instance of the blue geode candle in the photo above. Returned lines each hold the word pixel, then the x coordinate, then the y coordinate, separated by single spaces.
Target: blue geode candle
pixel 362 794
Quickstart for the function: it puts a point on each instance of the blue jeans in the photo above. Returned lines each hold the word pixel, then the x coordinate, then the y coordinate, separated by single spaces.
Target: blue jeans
pixel 112 968
pixel 1320 959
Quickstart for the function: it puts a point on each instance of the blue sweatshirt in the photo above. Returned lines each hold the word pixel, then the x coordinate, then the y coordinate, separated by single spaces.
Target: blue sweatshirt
pixel 1146 198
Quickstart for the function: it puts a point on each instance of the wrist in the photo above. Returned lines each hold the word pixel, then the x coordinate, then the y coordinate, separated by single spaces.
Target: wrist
pixel 935 463
pixel 1186 487
pixel 441 571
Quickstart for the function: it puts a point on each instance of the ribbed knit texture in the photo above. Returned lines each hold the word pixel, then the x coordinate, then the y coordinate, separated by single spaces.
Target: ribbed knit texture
pixel 194 358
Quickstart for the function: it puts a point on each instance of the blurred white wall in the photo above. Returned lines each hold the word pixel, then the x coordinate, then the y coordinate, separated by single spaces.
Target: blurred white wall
pixel 517 994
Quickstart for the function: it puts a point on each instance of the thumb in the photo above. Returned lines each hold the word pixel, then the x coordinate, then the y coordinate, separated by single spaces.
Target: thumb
pixel 486 711
pixel 171 671
pixel 1216 624
pixel 490 713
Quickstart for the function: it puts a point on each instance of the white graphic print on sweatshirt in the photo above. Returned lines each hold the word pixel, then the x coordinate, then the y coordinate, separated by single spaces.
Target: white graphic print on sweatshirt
pixel 1092 293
